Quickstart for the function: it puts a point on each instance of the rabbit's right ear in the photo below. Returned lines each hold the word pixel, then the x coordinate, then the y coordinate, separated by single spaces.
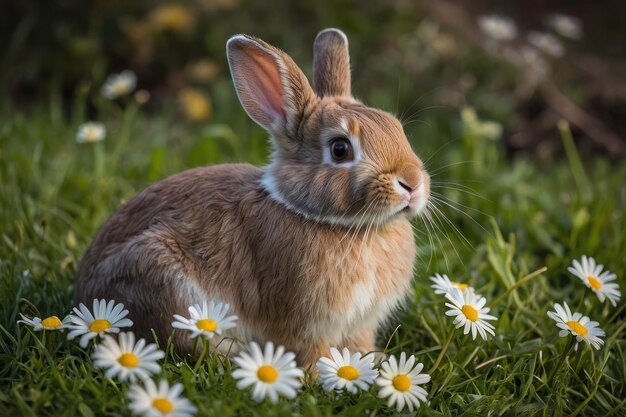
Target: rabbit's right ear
pixel 270 86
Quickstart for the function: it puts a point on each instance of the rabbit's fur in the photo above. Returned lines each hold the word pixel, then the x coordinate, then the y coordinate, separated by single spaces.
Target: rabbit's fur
pixel 310 253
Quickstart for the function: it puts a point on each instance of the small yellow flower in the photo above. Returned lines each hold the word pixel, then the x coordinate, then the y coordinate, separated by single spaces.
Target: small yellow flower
pixel 443 284
pixel 91 132
pixel 400 382
pixel 105 318
pixel 202 70
pixel 206 319
pixel 272 373
pixel 49 323
pixel 196 106
pixel 153 401
pixel 594 277
pixel 174 17
pixel 578 325
pixel 469 312
pixel 345 371
pixel 126 359
pixel 117 85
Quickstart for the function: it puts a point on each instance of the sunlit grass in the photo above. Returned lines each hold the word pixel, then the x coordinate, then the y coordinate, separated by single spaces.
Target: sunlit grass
pixel 497 224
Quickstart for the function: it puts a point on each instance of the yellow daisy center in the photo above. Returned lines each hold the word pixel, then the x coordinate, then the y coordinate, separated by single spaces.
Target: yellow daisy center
pixel 163 405
pixel 577 327
pixel 460 285
pixel 91 134
pixel 594 282
pixel 207 325
pixel 51 322
pixel 348 372
pixel 128 360
pixel 401 382
pixel 267 373
pixel 99 325
pixel 120 88
pixel 470 312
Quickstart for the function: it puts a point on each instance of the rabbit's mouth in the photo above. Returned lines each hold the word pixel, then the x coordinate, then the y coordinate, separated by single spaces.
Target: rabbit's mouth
pixel 415 201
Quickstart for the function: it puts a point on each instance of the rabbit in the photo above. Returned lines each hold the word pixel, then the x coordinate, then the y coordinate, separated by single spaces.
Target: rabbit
pixel 315 250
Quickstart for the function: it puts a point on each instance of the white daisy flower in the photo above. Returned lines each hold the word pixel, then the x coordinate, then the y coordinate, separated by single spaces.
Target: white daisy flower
pixel 117 85
pixel 400 382
pixel 345 371
pixel 593 276
pixel 443 284
pixel 271 373
pixel 468 309
pixel 127 360
pixel 159 402
pixel 547 43
pixel 206 320
pixel 91 132
pixel 578 325
pixel 566 26
pixel 106 318
pixel 497 27
pixel 49 323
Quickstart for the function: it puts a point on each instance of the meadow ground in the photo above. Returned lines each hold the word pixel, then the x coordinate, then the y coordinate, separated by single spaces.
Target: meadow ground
pixel 498 220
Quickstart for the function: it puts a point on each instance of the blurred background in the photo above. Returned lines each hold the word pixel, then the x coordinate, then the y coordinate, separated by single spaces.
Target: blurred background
pixel 533 63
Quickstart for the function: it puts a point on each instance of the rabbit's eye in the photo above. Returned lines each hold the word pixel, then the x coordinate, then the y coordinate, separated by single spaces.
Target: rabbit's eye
pixel 341 150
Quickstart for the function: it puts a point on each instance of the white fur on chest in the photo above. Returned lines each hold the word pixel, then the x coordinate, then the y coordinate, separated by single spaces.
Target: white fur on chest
pixel 368 304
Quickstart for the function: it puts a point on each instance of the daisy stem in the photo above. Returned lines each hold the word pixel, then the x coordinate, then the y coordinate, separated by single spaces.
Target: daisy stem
pixel 205 351
pixel 585 190
pixel 443 352
pixel 568 348
pixel 518 284
pixel 98 159
pixel 194 347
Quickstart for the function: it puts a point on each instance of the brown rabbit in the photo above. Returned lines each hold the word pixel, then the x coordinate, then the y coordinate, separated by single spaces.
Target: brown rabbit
pixel 313 251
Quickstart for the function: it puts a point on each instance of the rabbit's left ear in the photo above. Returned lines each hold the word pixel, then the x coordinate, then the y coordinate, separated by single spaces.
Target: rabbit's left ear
pixel 331 64
pixel 271 88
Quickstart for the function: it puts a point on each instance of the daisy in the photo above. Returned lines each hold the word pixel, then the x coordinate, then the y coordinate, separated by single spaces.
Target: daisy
pixel 271 373
pixel 91 132
pixel 49 323
pixel 106 318
pixel 498 27
pixel 207 319
pixel 547 43
pixel 117 85
pixel 566 26
pixel 442 284
pixel 345 371
pixel 600 282
pixel 468 309
pixel 400 382
pixel 127 359
pixel 578 325
pixel 158 402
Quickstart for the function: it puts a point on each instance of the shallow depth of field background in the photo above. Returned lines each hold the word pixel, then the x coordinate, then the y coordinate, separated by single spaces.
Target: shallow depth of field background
pixel 545 189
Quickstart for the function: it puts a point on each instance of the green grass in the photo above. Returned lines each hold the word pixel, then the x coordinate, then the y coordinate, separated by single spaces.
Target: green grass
pixel 504 219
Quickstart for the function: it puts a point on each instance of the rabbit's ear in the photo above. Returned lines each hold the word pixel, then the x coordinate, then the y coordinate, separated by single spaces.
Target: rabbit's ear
pixel 271 87
pixel 331 64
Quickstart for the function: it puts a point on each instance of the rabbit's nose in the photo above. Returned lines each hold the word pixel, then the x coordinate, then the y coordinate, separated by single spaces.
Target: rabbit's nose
pixel 409 177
